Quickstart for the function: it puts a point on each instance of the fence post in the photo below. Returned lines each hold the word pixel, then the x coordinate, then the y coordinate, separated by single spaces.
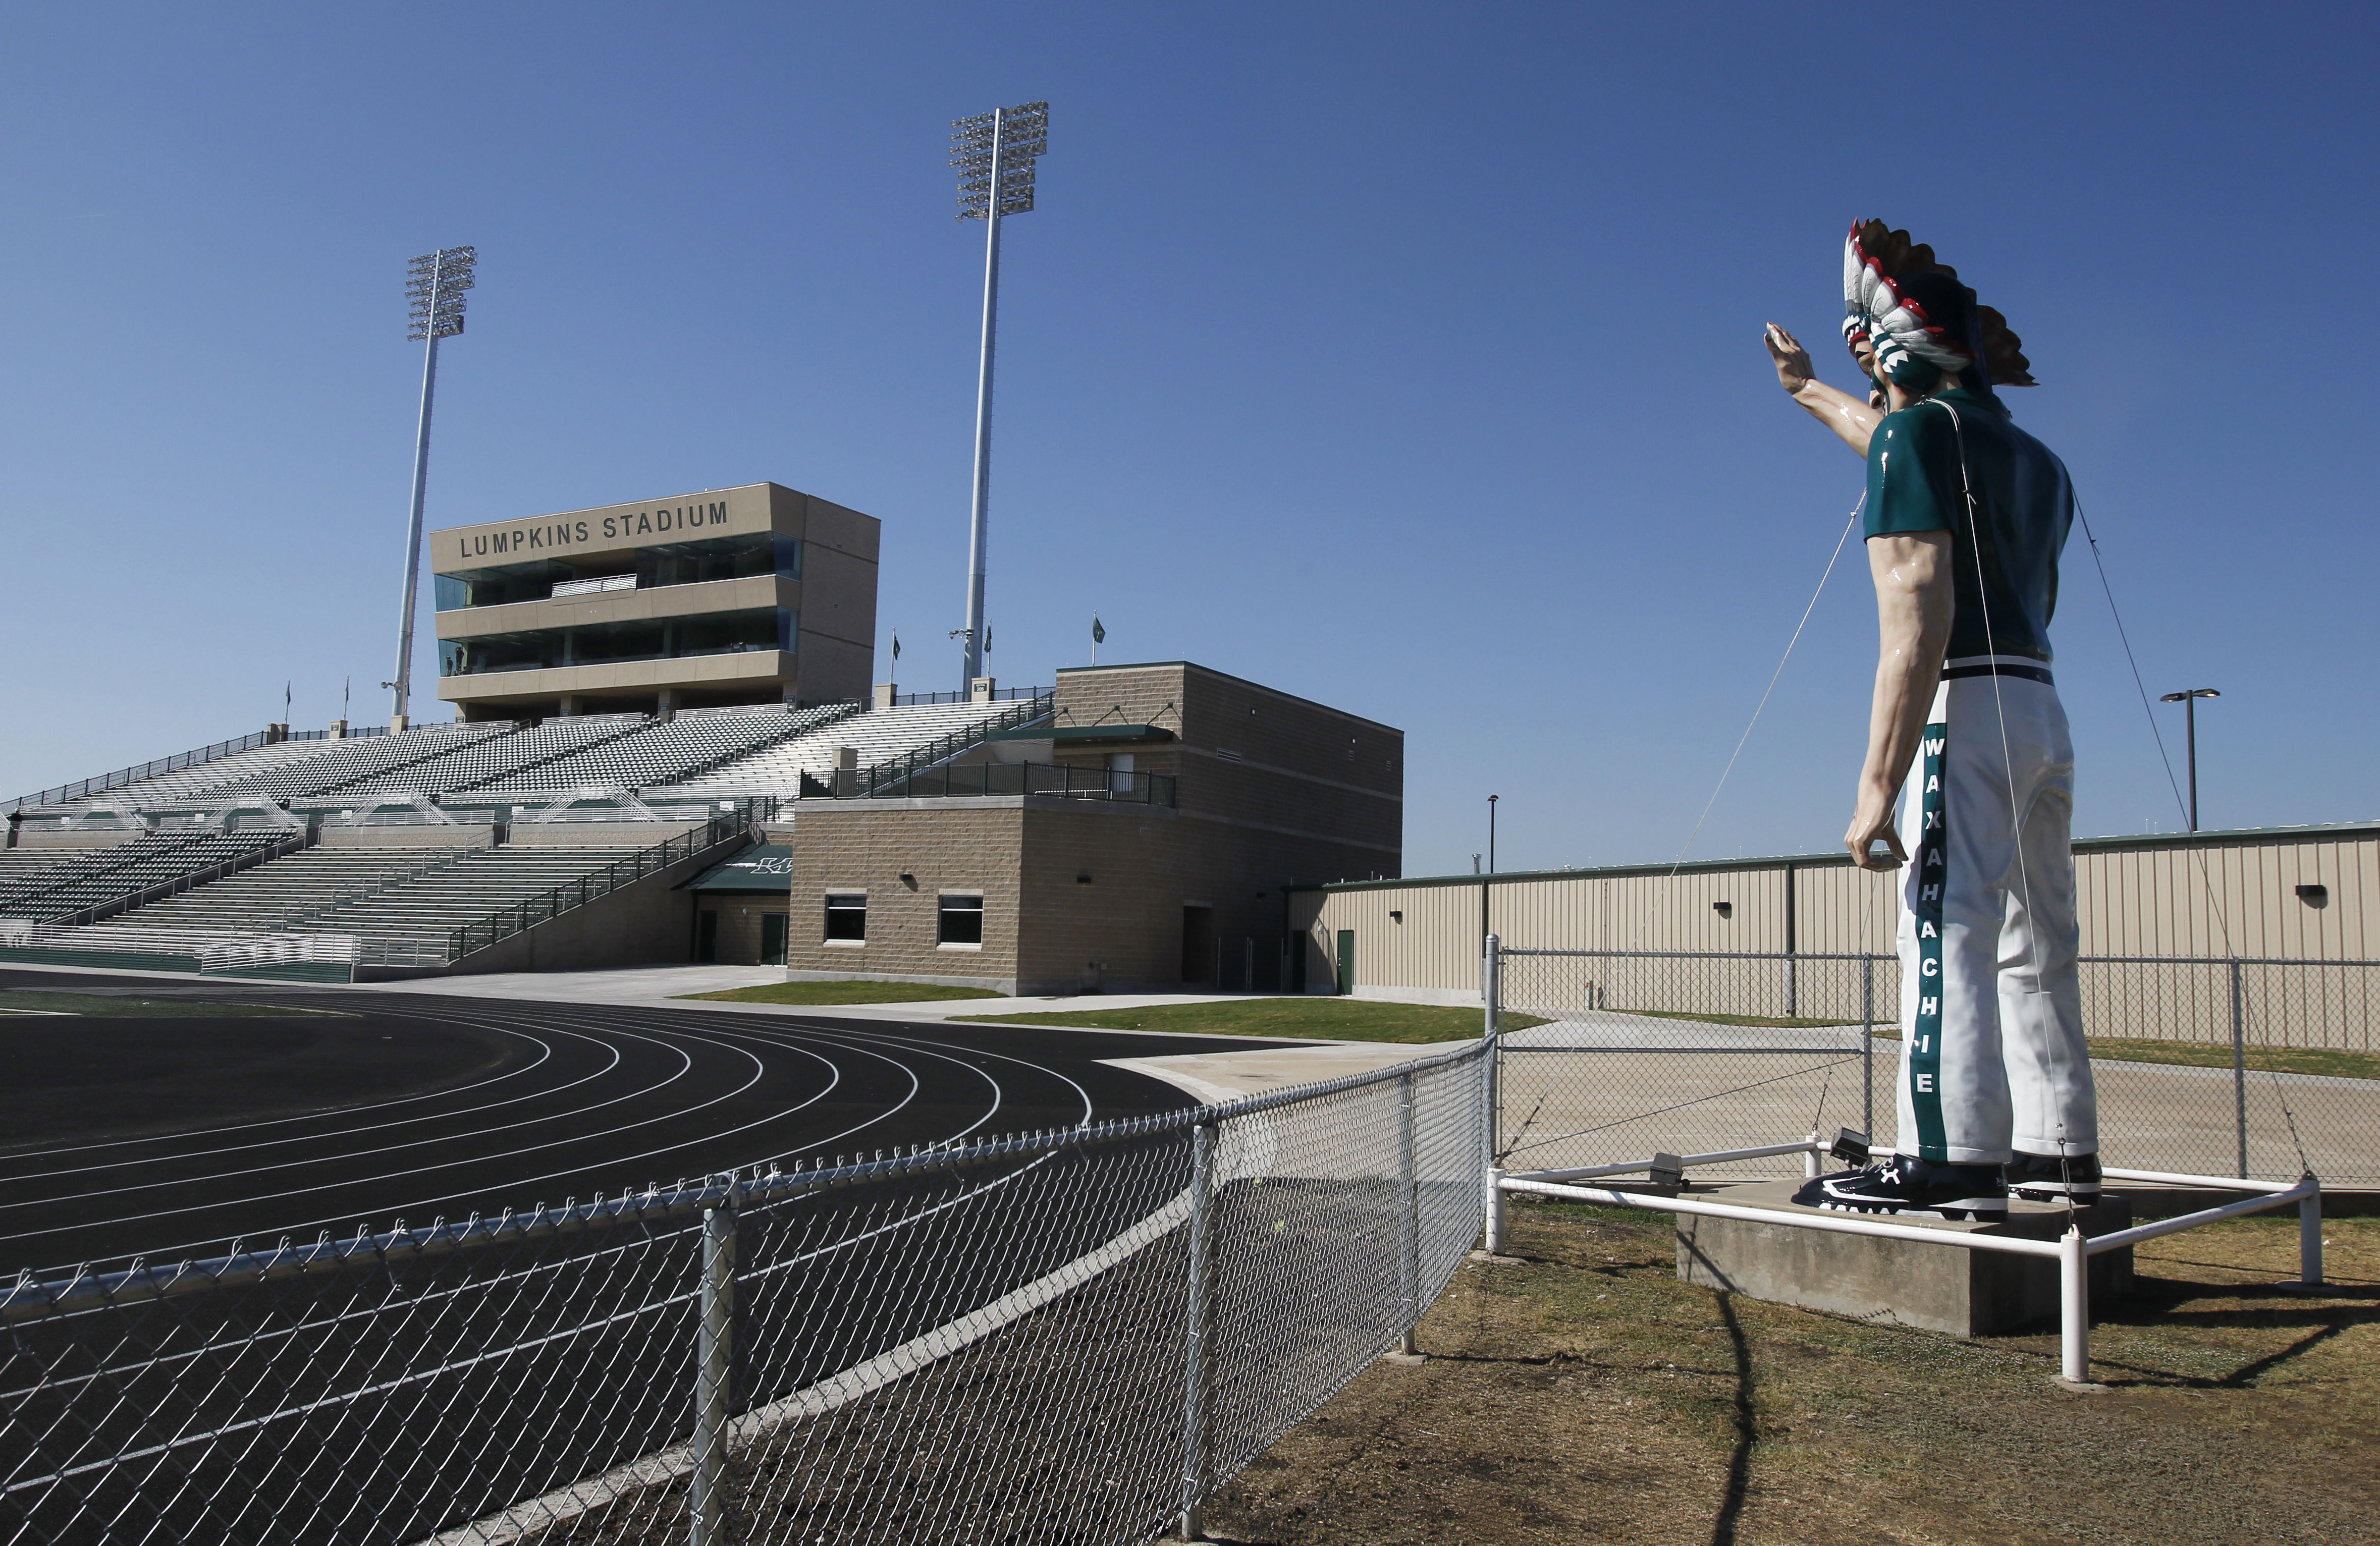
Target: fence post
pixel 1199 1325
pixel 2239 1059
pixel 2074 1306
pixel 1409 1220
pixel 1491 993
pixel 715 1353
pixel 1867 1045
pixel 2310 1239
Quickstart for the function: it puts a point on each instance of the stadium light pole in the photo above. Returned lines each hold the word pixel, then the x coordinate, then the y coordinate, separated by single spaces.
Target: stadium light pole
pixel 996 154
pixel 435 283
pixel 2189 702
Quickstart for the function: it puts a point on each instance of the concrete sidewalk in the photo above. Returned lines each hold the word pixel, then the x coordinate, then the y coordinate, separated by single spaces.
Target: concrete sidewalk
pixel 669 985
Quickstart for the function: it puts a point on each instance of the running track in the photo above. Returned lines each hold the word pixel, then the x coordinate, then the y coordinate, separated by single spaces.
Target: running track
pixel 169 1137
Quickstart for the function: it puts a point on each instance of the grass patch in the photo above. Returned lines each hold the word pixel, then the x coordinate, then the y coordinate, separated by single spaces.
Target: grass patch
pixel 1781 1022
pixel 1583 1393
pixel 1344 1019
pixel 105 1006
pixel 843 992
pixel 2209 1054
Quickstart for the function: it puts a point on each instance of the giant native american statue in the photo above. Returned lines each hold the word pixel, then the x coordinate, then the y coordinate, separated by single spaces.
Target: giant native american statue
pixel 1966 515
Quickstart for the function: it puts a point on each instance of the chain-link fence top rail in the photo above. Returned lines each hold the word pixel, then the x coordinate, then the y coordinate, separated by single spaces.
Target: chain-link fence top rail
pixel 1699 1051
pixel 1059 1337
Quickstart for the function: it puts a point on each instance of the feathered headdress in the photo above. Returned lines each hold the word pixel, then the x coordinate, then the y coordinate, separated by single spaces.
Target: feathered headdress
pixel 1916 316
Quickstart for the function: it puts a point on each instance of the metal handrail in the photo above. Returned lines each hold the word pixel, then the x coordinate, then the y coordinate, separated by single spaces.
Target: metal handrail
pixel 81 787
pixel 1005 694
pixel 98 911
pixel 991 779
pixel 525 914
pixel 942 747
pixel 1888 955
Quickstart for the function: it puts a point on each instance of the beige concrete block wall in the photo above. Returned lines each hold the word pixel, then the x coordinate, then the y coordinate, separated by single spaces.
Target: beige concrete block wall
pixel 868 846
pixel 737 941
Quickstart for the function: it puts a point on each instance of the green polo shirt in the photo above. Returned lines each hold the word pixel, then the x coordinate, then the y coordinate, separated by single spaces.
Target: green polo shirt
pixel 2025 503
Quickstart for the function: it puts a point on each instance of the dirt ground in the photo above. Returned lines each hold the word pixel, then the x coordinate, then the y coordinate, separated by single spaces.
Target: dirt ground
pixel 1585 1394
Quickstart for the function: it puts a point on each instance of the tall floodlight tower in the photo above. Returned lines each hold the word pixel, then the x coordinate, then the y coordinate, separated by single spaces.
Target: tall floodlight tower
pixel 995 153
pixel 435 283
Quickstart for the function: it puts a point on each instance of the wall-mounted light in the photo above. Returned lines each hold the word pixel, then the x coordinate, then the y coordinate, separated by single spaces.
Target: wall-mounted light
pixel 909 880
pixel 1396 915
pixel 2315 896
pixel 1725 910
pixel 1083 879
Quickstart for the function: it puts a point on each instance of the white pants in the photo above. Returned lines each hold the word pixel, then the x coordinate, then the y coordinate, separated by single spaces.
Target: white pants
pixel 1992 1058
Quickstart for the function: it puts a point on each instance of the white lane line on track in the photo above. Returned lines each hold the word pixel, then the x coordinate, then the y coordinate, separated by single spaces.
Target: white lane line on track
pixel 700 1038
pixel 544 1056
pixel 874 1373
pixel 686 1065
pixel 832 1033
pixel 145 1160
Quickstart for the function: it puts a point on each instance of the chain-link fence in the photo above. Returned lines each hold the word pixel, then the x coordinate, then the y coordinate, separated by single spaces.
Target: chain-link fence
pixel 1071 1336
pixel 2210 1065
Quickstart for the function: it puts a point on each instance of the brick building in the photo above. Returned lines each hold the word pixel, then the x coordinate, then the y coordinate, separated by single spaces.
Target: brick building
pixel 1142 835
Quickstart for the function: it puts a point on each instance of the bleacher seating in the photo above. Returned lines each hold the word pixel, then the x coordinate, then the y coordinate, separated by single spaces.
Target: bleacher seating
pixel 94 875
pixel 484 761
pixel 661 755
pixel 350 762
pixel 880 735
pixel 187 784
pixel 428 909
pixel 288 892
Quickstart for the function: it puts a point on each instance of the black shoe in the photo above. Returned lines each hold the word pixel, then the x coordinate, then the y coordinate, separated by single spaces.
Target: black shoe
pixel 1906 1184
pixel 2049 1178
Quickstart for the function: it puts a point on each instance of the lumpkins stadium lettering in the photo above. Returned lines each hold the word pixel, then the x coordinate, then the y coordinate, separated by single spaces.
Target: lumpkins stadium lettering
pixel 615 529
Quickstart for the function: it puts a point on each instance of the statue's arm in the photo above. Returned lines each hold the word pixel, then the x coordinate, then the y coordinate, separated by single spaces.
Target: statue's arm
pixel 1914 602
pixel 1847 415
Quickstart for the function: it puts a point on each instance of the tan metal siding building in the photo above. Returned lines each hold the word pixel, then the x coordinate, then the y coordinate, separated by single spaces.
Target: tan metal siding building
pixel 2243 893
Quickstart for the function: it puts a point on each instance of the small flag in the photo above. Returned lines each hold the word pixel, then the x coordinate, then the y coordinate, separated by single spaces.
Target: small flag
pixel 897 647
pixel 987 638
pixel 1099 632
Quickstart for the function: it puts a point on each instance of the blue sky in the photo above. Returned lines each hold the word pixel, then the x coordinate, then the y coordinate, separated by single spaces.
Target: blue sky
pixel 1404 357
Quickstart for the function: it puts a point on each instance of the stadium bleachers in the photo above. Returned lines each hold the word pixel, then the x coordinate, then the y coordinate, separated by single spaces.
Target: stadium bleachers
pixel 427 909
pixel 189 784
pixel 489 759
pixel 290 891
pixel 91 876
pixel 351 762
pixel 877 736
pixel 662 754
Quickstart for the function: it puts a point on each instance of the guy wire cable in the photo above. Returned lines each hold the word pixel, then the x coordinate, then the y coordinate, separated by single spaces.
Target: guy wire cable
pixel 1661 890
pixel 2198 854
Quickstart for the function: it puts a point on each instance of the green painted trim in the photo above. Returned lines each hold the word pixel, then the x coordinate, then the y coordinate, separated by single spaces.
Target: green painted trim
pixel 2242 836
pixel 1077 735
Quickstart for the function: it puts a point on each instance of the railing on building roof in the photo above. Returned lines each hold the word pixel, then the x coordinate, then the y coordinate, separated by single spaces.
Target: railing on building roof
pixel 978 780
pixel 1004 695
pixel 944 747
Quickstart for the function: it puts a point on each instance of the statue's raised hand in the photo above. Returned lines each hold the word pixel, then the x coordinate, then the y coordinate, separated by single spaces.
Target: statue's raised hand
pixel 1792 361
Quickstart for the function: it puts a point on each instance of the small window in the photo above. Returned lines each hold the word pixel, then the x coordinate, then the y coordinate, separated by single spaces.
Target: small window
pixel 962 921
pixel 847 916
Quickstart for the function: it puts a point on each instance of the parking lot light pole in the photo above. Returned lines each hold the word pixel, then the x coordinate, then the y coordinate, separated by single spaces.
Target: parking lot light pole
pixel 2189 702
pixel 435 283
